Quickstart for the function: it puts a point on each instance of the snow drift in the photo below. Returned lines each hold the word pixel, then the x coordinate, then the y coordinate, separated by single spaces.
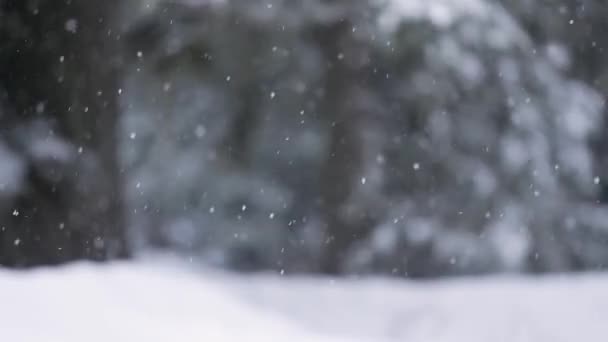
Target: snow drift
pixel 167 301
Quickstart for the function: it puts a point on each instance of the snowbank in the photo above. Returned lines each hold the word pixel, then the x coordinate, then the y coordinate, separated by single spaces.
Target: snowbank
pixel 163 301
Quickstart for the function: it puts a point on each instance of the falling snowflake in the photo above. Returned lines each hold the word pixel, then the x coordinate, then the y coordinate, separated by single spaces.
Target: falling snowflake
pixel 71 25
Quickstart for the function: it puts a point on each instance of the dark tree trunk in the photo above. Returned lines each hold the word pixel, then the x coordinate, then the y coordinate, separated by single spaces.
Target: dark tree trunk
pixel 59 67
pixel 343 114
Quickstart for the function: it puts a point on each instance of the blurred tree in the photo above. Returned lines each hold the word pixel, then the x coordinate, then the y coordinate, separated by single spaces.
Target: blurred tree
pixel 59 67
pixel 415 138
pixel 570 34
pixel 348 106
pixel 299 64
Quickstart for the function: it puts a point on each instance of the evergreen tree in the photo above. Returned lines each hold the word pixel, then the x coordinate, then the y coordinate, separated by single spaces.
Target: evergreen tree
pixel 59 83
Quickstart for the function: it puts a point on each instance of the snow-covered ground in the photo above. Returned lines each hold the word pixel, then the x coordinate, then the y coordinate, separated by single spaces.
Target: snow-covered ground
pixel 166 301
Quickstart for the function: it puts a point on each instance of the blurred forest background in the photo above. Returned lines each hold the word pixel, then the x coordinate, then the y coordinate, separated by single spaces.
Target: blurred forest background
pixel 412 138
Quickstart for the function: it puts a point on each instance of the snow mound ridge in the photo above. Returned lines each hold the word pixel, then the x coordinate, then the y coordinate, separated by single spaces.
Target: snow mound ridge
pixel 164 301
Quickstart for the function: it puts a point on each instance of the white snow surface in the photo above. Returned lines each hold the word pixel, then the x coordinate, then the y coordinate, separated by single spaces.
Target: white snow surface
pixel 167 301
